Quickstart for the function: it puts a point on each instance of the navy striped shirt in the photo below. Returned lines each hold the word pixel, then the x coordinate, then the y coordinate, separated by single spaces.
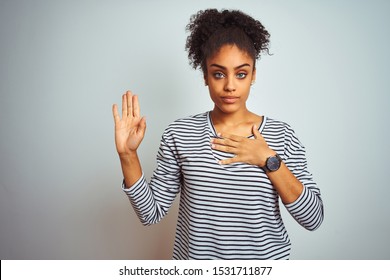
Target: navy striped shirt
pixel 226 211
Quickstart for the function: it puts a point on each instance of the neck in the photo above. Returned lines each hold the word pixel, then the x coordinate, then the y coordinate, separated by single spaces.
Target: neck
pixel 230 119
pixel 238 123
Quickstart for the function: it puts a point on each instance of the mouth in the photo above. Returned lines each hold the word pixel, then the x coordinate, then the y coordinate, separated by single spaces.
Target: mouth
pixel 229 99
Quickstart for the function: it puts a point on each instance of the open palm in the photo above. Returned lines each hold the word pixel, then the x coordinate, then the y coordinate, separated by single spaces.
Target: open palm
pixel 130 129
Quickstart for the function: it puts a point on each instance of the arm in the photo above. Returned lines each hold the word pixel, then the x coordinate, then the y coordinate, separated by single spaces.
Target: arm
pixel 129 133
pixel 151 201
pixel 286 184
pixel 292 181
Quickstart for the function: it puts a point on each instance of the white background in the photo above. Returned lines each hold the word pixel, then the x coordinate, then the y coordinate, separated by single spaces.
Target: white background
pixel 64 63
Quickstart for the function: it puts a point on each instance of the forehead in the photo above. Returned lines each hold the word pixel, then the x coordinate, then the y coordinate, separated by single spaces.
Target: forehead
pixel 230 56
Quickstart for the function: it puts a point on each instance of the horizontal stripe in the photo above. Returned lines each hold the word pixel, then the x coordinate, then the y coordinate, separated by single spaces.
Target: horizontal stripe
pixel 230 211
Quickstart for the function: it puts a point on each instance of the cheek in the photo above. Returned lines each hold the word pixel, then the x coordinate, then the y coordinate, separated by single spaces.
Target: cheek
pixel 212 93
pixel 215 87
pixel 246 93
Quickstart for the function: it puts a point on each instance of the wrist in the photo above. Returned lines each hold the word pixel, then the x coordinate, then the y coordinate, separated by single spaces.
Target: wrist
pixel 269 153
pixel 272 163
pixel 128 156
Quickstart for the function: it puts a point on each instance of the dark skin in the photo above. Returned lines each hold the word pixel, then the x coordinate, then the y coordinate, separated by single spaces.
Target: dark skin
pixel 230 73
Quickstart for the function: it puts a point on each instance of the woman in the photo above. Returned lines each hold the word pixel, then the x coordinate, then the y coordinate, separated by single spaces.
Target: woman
pixel 229 165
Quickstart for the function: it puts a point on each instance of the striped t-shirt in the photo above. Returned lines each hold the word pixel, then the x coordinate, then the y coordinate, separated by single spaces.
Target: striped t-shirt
pixel 226 211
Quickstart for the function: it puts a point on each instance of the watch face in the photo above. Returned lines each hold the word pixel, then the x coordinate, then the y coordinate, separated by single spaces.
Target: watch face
pixel 273 163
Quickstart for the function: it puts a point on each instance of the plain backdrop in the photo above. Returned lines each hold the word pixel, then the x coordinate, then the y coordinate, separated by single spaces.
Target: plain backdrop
pixel 64 63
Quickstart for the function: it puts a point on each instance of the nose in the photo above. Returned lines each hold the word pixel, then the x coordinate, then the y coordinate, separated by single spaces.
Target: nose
pixel 229 84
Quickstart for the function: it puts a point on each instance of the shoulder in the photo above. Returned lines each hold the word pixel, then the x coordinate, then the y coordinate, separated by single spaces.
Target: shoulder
pixel 271 124
pixel 187 125
pixel 279 132
pixel 198 119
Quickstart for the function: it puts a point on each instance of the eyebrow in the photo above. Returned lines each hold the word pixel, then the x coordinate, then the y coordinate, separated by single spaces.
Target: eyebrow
pixel 235 68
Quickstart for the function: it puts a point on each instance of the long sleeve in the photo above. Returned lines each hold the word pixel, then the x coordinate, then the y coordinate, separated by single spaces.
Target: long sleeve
pixel 151 201
pixel 226 211
pixel 308 209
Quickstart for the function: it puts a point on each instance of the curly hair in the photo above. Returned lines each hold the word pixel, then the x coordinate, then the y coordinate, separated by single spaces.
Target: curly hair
pixel 211 29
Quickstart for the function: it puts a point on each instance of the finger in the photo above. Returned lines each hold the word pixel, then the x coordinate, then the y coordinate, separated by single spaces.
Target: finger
pixel 129 103
pixel 224 148
pixel 224 142
pixel 256 132
pixel 258 135
pixel 136 108
pixel 115 113
pixel 124 105
pixel 142 125
pixel 229 160
pixel 232 137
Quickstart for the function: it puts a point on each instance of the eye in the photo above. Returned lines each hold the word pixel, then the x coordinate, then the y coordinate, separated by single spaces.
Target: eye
pixel 241 75
pixel 218 75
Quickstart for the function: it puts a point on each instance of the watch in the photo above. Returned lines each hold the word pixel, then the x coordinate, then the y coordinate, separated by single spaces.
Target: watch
pixel 272 163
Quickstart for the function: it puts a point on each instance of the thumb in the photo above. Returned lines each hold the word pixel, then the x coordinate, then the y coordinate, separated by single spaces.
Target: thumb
pixel 142 125
pixel 256 132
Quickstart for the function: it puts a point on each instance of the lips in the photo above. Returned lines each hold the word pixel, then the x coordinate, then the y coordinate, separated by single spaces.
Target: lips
pixel 229 99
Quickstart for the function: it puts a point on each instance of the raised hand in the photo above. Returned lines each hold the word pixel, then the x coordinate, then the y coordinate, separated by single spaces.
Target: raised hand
pixel 130 129
pixel 251 151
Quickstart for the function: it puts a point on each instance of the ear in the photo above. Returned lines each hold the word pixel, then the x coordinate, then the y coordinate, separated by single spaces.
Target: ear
pixel 206 83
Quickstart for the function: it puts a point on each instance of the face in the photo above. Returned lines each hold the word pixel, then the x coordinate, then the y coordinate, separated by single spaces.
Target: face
pixel 230 73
